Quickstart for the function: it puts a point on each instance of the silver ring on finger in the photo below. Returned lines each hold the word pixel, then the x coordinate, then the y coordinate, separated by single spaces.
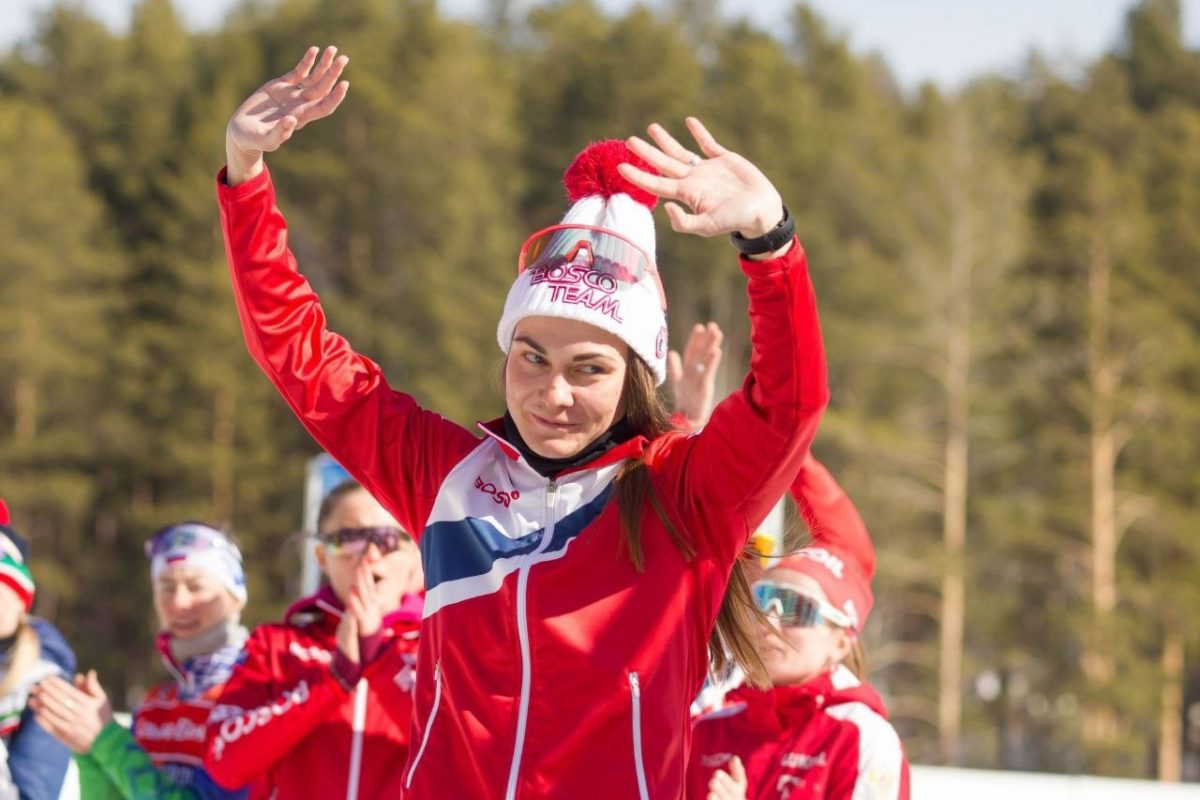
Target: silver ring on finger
pixel 693 161
pixel 700 368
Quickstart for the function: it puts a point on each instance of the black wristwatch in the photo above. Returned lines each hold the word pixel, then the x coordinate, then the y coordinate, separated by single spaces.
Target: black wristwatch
pixel 770 241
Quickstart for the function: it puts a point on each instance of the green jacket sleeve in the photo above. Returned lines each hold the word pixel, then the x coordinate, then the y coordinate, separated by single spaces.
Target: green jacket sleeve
pixel 93 782
pixel 124 770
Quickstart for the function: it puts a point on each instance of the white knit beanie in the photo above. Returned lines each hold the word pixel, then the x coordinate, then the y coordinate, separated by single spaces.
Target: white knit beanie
pixel 600 198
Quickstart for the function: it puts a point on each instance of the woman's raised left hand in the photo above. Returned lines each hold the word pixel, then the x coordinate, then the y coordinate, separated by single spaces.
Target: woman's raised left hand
pixel 722 191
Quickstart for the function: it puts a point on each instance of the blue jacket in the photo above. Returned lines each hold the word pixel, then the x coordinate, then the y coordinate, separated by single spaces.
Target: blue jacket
pixel 37 761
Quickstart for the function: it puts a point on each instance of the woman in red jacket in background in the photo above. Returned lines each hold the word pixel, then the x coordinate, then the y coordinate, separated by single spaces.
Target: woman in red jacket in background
pixel 820 731
pixel 320 704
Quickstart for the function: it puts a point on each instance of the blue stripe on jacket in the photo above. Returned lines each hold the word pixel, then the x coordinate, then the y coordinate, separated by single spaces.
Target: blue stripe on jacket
pixel 469 547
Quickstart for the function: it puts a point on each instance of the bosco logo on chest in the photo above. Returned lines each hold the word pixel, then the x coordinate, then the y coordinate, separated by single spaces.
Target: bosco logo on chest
pixel 499 496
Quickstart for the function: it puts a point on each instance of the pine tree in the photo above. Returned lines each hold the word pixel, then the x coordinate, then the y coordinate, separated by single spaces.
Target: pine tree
pixel 57 278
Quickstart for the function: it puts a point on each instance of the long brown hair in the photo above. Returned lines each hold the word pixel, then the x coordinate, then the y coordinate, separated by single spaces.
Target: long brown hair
pixel 333 499
pixel 739 619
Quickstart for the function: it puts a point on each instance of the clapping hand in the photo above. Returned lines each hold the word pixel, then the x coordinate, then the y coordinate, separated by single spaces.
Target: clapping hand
pixel 693 376
pixel 363 616
pixel 732 785
pixel 72 714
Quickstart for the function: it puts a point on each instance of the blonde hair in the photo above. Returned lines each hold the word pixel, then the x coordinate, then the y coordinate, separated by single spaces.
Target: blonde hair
pixel 856 659
pixel 26 651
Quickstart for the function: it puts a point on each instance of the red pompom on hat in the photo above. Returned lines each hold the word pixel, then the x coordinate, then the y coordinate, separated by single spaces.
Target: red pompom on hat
pixel 3 512
pixel 594 172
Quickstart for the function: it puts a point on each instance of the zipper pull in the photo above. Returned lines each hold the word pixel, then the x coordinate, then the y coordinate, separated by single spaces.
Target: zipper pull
pixel 551 492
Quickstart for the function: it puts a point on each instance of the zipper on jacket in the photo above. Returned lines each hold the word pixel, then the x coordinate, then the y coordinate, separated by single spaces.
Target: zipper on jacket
pixel 358 725
pixel 437 701
pixel 523 637
pixel 635 695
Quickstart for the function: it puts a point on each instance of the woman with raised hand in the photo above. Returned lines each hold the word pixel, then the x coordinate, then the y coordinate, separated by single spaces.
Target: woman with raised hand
pixel 820 732
pixel 199 592
pixel 577 555
pixel 31 650
pixel 320 704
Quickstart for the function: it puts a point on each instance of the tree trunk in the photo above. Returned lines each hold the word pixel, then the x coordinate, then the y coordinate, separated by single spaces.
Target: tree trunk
pixel 1170 726
pixel 1099 721
pixel 954 499
pixel 1102 376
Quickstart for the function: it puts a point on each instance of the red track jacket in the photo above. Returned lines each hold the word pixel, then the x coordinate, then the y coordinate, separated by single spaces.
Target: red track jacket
pixel 283 716
pixel 828 739
pixel 548 665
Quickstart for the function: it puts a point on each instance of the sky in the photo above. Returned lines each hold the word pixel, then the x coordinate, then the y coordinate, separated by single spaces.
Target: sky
pixel 945 41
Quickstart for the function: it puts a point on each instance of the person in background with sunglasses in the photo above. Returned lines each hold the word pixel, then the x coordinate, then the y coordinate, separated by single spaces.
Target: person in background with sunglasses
pixel 320 705
pixel 199 593
pixel 820 732
pixel 32 763
pixel 577 554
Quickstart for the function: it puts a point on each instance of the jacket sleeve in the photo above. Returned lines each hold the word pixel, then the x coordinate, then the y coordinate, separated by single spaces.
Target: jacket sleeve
pixel 128 773
pixel 93 781
pixel 832 519
pixel 737 467
pixel 37 761
pixel 258 718
pixel 877 771
pixel 392 446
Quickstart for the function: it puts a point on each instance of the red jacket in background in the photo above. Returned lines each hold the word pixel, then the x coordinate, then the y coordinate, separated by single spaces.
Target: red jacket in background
pixel 828 739
pixel 840 557
pixel 832 519
pixel 284 715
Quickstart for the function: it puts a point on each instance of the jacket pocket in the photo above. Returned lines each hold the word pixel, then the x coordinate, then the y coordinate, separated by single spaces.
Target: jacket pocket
pixel 437 701
pixel 635 699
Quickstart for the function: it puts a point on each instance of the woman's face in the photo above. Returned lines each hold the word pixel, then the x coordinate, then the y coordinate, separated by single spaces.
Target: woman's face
pixel 563 383
pixel 190 601
pixel 395 574
pixel 795 655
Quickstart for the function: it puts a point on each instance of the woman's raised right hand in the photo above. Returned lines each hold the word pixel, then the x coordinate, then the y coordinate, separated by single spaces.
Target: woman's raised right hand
pixel 281 106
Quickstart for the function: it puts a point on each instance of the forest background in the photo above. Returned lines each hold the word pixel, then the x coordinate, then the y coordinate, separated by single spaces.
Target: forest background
pixel 1009 279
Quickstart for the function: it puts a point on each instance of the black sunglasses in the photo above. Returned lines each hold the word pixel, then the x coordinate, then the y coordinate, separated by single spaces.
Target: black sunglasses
pixel 355 541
